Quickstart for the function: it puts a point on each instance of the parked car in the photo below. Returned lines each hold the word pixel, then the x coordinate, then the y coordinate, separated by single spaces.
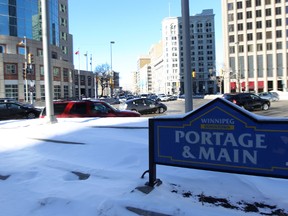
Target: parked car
pixel 8 100
pixel 248 101
pixel 143 106
pixel 16 110
pixel 87 108
pixel 269 96
pixel 163 97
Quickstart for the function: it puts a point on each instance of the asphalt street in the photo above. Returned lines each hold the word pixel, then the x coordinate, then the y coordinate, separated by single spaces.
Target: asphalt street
pixel 277 108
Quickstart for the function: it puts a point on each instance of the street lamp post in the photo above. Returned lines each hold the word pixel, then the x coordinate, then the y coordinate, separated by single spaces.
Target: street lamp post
pixel 238 73
pixel 24 42
pixel 111 86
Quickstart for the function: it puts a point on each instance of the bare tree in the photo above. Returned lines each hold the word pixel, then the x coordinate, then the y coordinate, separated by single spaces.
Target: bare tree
pixel 103 76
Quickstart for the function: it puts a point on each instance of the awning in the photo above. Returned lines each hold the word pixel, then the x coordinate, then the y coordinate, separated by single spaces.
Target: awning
pixel 251 85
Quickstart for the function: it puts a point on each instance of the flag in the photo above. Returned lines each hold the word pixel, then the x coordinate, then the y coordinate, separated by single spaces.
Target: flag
pixel 76 53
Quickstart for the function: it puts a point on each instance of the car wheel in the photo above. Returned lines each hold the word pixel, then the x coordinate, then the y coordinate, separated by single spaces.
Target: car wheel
pixel 160 110
pixel 31 115
pixel 265 106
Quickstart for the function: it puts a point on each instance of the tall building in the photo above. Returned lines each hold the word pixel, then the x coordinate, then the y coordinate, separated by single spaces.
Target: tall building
pixel 255 45
pixel 202 44
pixel 21 42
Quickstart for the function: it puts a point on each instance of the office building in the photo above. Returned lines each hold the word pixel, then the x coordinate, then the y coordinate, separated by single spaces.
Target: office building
pixel 202 45
pixel 21 42
pixel 255 45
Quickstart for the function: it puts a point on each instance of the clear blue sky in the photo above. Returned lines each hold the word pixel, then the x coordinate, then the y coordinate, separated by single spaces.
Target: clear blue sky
pixel 134 25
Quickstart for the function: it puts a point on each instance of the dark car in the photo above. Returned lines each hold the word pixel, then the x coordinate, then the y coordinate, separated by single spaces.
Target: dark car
pixel 8 100
pixel 248 101
pixel 15 110
pixel 87 108
pixel 143 106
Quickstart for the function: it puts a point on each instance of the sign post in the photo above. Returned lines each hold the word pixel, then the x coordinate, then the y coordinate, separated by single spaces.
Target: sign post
pixel 220 136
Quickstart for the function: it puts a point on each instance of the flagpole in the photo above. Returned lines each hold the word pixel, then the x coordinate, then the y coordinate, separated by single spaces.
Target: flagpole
pixel 79 89
pixel 86 55
pixel 91 62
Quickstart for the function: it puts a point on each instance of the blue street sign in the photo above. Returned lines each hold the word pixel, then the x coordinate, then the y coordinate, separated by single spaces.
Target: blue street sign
pixel 220 136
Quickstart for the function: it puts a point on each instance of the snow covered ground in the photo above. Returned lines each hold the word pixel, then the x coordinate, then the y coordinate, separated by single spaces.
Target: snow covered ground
pixel 92 166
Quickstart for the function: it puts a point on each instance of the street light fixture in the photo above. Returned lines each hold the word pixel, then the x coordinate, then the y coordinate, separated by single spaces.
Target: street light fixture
pixel 111 42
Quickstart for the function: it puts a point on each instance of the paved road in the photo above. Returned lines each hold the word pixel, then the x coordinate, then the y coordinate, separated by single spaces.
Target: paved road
pixel 277 109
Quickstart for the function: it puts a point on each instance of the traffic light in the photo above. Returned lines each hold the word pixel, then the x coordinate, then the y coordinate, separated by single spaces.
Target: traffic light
pixel 30 58
pixel 194 74
pixel 24 74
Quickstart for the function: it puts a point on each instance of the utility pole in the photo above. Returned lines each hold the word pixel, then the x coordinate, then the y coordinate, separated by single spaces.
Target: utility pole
pixel 187 56
pixel 47 63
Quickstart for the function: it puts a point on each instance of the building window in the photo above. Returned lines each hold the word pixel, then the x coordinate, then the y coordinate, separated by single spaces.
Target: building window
pixel 63 8
pixel 269 46
pixel 54 55
pixel 64 49
pixel 268 23
pixel 56 71
pixel 250 48
pixel 248 3
pixel 249 25
pixel 64 36
pixel 249 14
pixel 63 21
pixel 239 5
pixel 57 92
pixel 66 91
pixel 241 49
pixel 278 10
pixel 240 27
pixel 239 16
pixel 268 12
pixel 41 70
pixel 258 3
pixel 42 92
pixel 230 17
pixel 40 52
pixel 268 35
pixel 267 2
pixel 82 80
pixel 230 6
pixel 89 80
pixel 2 48
pixel 21 50
pixel 11 91
pixel 231 28
pixel 259 35
pixel 65 73
pixel 259 24
pixel 250 37
pixel 258 13
pixel 279 45
pixel 278 22
pixel 259 47
pixel 240 37
pixel 231 39
pixel 10 68
pixel 278 33
pixel 232 49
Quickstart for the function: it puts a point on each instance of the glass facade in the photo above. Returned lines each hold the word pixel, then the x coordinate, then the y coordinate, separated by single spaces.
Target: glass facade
pixel 21 18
